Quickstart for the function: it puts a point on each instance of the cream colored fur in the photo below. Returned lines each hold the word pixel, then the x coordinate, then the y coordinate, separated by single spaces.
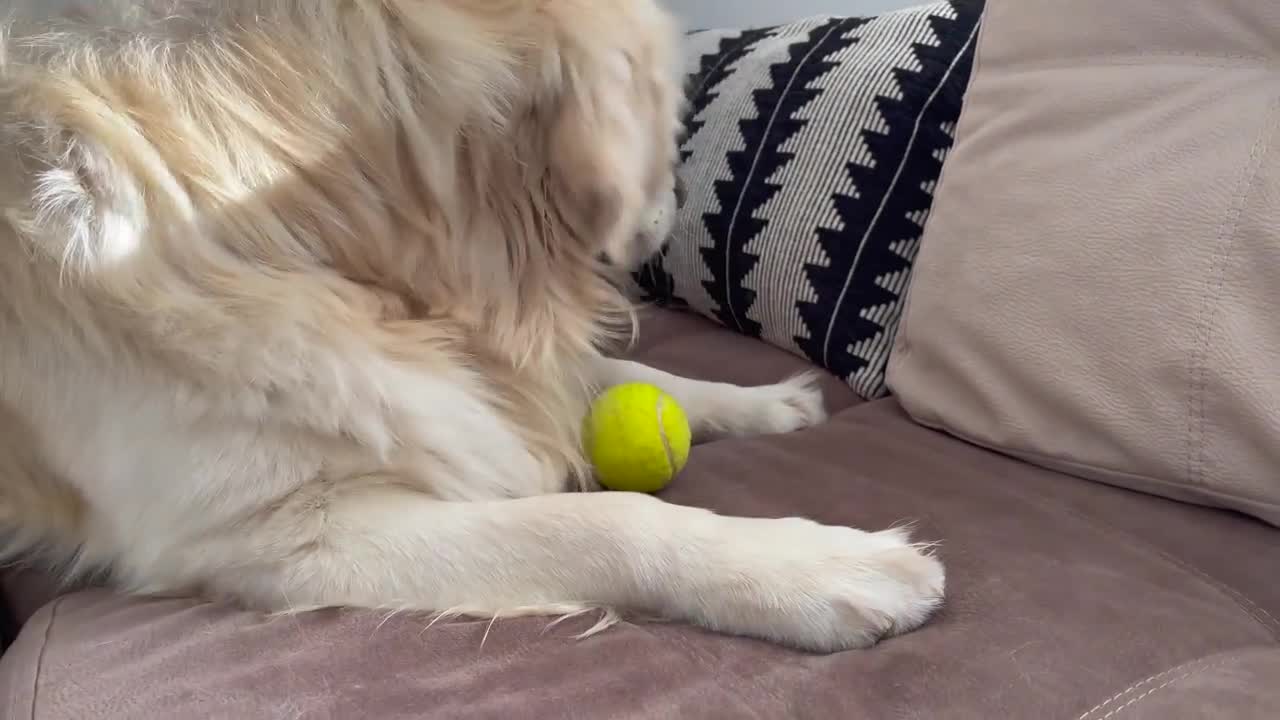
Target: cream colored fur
pixel 302 302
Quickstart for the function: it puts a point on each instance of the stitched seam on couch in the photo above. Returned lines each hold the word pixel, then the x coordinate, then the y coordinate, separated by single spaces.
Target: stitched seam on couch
pixel 1198 370
pixel 1189 670
pixel 1084 469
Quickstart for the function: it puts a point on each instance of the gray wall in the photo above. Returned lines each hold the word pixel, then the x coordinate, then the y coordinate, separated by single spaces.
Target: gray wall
pixel 749 13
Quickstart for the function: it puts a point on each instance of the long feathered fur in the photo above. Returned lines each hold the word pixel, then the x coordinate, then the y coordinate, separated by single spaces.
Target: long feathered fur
pixel 206 193
pixel 302 303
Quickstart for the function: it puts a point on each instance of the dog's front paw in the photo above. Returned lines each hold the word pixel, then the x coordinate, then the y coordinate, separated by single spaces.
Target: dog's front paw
pixel 828 589
pixel 775 409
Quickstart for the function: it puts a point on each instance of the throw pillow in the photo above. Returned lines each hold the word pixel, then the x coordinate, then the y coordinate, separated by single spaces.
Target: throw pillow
pixel 812 153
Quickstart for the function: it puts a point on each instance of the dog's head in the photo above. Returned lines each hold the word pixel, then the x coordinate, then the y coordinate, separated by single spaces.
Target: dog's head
pixel 612 118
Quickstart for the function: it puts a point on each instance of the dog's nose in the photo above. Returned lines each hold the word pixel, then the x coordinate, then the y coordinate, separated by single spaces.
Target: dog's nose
pixel 682 193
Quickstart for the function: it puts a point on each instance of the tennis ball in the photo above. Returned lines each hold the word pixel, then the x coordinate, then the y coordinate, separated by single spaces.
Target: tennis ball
pixel 637 437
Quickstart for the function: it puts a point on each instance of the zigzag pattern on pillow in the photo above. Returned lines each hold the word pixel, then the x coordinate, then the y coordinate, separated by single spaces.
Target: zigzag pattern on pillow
pixel 812 153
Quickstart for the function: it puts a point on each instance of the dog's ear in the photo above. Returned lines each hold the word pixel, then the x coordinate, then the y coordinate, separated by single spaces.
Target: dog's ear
pixel 613 129
pixel 599 156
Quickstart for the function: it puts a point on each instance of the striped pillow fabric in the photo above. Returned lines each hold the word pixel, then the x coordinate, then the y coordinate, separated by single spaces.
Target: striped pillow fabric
pixel 812 153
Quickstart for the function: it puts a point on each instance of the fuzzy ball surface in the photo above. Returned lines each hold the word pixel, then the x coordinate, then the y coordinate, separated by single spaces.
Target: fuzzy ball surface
pixel 637 437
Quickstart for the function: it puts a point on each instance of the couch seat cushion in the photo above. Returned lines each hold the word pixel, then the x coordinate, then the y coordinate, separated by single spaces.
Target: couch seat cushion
pixel 1067 599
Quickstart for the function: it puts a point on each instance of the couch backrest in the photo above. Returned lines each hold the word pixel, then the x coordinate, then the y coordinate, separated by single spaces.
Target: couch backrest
pixel 1098 288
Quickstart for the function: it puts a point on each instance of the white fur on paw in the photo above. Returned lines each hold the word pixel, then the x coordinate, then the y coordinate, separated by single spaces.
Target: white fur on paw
pixel 780 408
pixel 827 589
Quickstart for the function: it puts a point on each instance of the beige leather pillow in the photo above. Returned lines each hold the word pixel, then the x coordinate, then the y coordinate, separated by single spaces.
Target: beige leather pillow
pixel 1098 288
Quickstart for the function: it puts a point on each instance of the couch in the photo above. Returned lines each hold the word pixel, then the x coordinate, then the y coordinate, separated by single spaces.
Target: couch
pixel 1066 599
pixel 1072 594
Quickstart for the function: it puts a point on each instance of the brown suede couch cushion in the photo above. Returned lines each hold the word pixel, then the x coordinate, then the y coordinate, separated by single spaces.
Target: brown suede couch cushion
pixel 1067 599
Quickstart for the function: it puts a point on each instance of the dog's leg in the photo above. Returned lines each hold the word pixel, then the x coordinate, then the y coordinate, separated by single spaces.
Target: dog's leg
pixel 793 581
pixel 725 410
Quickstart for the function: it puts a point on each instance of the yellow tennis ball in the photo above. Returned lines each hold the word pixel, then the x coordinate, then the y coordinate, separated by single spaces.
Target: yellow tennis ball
pixel 637 437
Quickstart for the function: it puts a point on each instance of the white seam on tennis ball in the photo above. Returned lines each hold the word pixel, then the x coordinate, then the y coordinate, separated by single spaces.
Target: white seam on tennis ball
pixel 662 433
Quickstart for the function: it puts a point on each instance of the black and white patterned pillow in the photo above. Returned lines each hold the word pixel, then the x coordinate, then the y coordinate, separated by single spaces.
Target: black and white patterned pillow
pixel 812 155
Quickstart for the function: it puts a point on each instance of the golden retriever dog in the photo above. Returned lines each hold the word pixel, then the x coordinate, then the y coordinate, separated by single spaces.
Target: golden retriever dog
pixel 302 303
